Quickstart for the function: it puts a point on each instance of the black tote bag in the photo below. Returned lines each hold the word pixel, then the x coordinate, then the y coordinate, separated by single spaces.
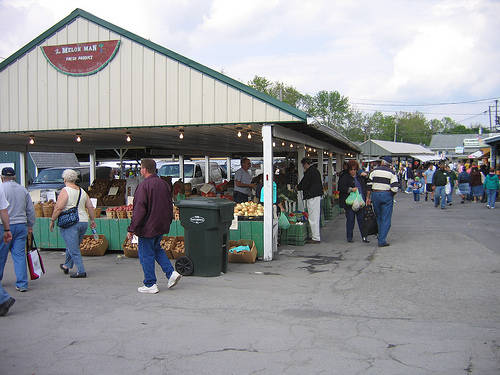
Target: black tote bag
pixel 369 223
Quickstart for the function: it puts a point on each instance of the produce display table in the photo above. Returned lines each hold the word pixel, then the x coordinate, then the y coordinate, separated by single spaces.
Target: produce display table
pixel 115 231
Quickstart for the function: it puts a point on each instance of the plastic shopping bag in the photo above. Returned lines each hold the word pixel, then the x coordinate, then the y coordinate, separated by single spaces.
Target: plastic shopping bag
pixel 350 198
pixel 283 222
pixel 358 202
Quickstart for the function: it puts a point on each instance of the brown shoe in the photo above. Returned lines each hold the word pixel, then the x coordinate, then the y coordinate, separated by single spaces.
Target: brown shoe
pixel 313 241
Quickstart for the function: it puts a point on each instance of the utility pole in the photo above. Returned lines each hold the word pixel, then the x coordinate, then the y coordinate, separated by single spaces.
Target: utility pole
pixel 497 119
pixel 489 110
pixel 395 130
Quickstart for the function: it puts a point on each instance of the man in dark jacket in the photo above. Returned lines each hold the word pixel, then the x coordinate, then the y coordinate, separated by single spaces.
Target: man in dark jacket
pixel 151 219
pixel 439 181
pixel 312 190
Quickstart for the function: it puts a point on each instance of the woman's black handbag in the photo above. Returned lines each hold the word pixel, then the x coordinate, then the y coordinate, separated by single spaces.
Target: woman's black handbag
pixel 69 217
pixel 369 222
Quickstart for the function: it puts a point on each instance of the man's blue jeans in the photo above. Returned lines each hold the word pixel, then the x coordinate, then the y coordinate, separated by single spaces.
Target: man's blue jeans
pixel 149 251
pixel 492 196
pixel 440 196
pixel 73 236
pixel 17 247
pixel 383 203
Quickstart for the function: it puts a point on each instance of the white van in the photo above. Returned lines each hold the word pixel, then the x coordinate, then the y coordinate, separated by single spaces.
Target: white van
pixel 194 172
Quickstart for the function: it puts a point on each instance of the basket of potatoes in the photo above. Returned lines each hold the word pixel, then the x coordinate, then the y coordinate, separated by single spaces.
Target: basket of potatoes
pixel 178 247
pixel 130 249
pixel 167 243
pixel 94 247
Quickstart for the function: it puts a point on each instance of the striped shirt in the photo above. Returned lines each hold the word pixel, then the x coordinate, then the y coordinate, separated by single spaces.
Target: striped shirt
pixel 383 178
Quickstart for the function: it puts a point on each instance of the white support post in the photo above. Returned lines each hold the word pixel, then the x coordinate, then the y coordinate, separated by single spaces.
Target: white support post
pixel 340 163
pixel 320 164
pixel 228 168
pixel 181 167
pixel 22 168
pixel 300 169
pixel 92 166
pixel 207 169
pixel 330 174
pixel 267 146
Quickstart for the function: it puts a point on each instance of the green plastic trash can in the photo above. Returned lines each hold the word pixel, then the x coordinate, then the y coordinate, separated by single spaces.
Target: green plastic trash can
pixel 206 223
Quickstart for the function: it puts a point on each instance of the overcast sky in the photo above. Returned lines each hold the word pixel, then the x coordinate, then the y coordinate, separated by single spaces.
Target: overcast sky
pixel 374 52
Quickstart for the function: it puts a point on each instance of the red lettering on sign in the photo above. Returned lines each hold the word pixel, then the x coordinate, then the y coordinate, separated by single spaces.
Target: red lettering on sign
pixel 81 59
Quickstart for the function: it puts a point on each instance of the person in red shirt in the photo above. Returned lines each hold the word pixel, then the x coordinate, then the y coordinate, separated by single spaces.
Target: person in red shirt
pixel 151 218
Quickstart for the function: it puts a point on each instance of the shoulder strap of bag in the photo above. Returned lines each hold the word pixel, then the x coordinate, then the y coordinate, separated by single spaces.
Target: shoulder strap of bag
pixel 79 195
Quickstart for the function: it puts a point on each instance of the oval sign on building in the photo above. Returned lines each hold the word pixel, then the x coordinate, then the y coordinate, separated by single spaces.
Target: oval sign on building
pixel 197 219
pixel 81 59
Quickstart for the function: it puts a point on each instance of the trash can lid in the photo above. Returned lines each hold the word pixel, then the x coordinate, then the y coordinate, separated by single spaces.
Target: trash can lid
pixel 206 203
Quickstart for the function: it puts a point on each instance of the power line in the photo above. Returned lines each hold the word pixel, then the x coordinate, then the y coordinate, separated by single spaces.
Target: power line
pixel 424 113
pixel 426 105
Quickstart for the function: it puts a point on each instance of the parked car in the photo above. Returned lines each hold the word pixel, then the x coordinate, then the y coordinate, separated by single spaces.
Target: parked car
pixel 50 179
pixel 194 172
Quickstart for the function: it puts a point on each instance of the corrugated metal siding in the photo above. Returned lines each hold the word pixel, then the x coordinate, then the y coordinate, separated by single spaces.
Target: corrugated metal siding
pixel 138 87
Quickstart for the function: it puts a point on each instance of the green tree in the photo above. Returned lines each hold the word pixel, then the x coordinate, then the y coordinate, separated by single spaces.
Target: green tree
pixel 278 90
pixel 413 128
pixel 329 107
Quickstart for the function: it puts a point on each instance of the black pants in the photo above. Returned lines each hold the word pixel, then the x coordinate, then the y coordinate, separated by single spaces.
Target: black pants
pixel 240 197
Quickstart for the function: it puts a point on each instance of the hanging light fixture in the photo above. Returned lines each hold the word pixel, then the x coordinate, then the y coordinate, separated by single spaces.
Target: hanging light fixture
pixel 78 137
pixel 283 144
pixel 32 140
pixel 239 132
pixel 249 136
pixel 274 144
pixel 291 145
pixel 128 137
pixel 181 133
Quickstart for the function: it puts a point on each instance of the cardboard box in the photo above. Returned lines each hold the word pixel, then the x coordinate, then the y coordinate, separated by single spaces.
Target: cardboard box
pixel 244 256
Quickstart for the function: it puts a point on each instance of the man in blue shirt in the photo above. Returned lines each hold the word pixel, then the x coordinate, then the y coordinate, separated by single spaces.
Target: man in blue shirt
pixel 428 175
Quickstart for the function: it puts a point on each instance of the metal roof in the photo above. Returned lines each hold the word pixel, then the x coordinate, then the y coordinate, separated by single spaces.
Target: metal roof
pixel 54 159
pixel 450 141
pixel 394 148
pixel 212 139
pixel 155 47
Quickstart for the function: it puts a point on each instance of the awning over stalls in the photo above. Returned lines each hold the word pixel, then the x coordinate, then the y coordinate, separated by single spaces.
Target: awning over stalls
pixel 424 158
pixel 475 155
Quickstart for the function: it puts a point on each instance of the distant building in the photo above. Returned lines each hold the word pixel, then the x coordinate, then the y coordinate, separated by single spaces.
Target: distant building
pixel 400 151
pixel 460 146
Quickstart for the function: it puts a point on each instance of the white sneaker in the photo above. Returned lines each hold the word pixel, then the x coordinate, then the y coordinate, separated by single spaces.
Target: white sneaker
pixel 151 289
pixel 174 279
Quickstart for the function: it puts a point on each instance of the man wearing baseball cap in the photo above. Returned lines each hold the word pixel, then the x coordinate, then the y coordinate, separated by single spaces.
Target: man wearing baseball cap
pixel 22 219
pixel 382 186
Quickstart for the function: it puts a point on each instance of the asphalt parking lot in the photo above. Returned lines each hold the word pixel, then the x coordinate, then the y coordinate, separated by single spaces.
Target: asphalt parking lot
pixel 427 304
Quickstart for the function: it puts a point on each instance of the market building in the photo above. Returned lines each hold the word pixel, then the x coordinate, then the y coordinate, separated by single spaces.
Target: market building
pixel 460 146
pixel 86 86
pixel 400 151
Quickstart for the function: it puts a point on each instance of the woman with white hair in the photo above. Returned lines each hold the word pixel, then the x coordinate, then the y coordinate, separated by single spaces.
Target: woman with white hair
pixel 71 196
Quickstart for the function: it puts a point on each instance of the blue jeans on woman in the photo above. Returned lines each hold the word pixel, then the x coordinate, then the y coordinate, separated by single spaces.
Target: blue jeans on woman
pixel 492 196
pixel 73 236
pixel 17 247
pixel 383 202
pixel 150 250
pixel 351 217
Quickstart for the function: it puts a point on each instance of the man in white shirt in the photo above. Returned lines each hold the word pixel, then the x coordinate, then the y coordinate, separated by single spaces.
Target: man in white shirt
pixel 243 182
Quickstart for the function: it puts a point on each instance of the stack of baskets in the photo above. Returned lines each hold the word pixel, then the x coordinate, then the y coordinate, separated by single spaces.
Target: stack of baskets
pixel 296 235
pixel 38 209
pixel 48 208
